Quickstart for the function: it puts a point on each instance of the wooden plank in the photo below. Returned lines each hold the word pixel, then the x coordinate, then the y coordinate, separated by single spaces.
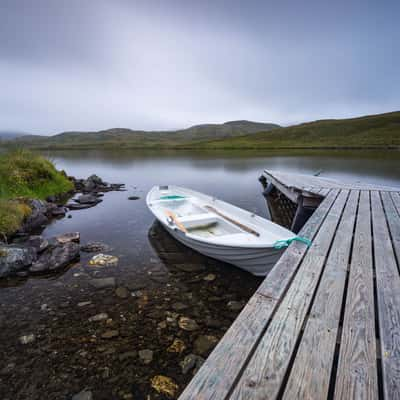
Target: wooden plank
pixel 265 371
pixel 388 300
pixel 357 368
pixel 311 370
pixel 392 211
pixel 218 374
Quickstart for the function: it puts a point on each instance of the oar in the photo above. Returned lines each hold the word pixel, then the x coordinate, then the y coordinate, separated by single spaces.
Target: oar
pixel 240 225
pixel 179 225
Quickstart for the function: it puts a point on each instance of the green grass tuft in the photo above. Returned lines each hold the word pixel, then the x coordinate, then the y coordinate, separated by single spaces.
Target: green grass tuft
pixel 25 175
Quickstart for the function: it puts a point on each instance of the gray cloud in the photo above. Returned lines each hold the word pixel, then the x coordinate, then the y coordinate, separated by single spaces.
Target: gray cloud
pixel 70 65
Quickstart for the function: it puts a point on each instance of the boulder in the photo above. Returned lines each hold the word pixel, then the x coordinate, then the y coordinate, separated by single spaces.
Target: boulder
pixel 38 217
pixel 38 242
pixel 68 237
pixel 14 259
pixel 88 199
pixel 55 258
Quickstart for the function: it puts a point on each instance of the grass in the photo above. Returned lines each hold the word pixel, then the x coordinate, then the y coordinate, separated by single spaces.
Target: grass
pixel 25 175
pixel 375 131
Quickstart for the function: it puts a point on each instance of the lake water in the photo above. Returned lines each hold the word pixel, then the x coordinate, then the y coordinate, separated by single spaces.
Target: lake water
pixel 69 353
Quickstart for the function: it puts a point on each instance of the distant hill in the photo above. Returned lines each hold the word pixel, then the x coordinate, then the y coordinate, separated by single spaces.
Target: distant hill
pixel 9 135
pixel 373 131
pixel 117 137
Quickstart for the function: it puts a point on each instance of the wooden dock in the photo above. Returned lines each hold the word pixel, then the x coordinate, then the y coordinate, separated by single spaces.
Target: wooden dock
pixel 325 323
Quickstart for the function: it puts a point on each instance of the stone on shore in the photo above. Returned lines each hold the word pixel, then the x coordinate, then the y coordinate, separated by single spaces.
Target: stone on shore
pixel 69 237
pixel 15 259
pixel 83 395
pixel 57 258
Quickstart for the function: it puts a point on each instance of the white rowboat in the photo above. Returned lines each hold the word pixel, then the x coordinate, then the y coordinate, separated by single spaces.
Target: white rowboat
pixel 218 229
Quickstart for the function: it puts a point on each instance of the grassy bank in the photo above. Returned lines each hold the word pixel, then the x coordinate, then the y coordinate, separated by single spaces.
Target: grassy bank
pixel 24 175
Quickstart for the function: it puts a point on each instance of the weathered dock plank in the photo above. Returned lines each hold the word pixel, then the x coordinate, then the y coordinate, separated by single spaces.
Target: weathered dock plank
pixel 357 369
pixel 264 374
pixel 388 299
pixel 311 370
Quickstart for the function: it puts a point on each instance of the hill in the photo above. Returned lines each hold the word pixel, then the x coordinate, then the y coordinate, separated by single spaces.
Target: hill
pixel 9 134
pixel 119 137
pixel 373 131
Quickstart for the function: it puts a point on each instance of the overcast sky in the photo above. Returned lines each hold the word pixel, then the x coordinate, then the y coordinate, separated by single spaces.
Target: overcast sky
pixel 90 65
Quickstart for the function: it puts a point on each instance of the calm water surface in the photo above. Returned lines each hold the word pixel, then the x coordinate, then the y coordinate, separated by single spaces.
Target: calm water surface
pixel 69 353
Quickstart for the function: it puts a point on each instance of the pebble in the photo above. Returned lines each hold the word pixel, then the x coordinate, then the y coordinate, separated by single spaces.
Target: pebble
pixel 110 334
pixel 127 355
pixel 122 292
pixel 188 324
pixel 179 306
pixel 177 346
pixel 209 277
pixel 146 356
pixel 190 267
pixel 235 305
pixel 102 283
pixel 103 260
pixel 204 343
pixel 98 317
pixel 26 339
pixel 191 361
pixel 164 385
pixel 84 303
pixel 83 395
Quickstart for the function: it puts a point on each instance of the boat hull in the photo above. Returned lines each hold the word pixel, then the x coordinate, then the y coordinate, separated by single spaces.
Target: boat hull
pixel 257 261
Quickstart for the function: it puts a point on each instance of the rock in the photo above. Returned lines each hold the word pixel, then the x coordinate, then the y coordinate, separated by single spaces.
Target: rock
pixel 204 343
pixel 191 361
pixel 102 283
pixel 188 324
pixel 103 260
pixel 177 346
pixel 164 385
pixel 133 198
pixel 146 356
pixel 15 259
pixel 38 242
pixel 93 247
pixel 110 334
pixel 98 317
pixel 190 267
pixel 51 199
pixel 69 237
pixel 56 258
pixel 127 355
pixel 213 323
pixel 88 199
pixel 122 292
pixel 179 306
pixel 209 277
pixel 83 395
pixel 84 303
pixel 37 217
pixel 76 206
pixel 26 339
pixel 235 305
pixel 59 212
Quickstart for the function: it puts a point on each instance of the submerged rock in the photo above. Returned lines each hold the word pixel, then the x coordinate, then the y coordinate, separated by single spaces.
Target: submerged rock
pixel 110 334
pixel 26 339
pixel 102 283
pixel 188 324
pixel 190 362
pixel 122 292
pixel 93 247
pixel 164 385
pixel 69 237
pixel 177 346
pixel 190 267
pixel 98 317
pixel 204 343
pixel 146 356
pixel 133 198
pixel 83 395
pixel 235 305
pixel 88 199
pixel 103 260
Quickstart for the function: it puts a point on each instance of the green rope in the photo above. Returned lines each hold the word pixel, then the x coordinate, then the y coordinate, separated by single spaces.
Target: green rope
pixel 172 197
pixel 280 244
